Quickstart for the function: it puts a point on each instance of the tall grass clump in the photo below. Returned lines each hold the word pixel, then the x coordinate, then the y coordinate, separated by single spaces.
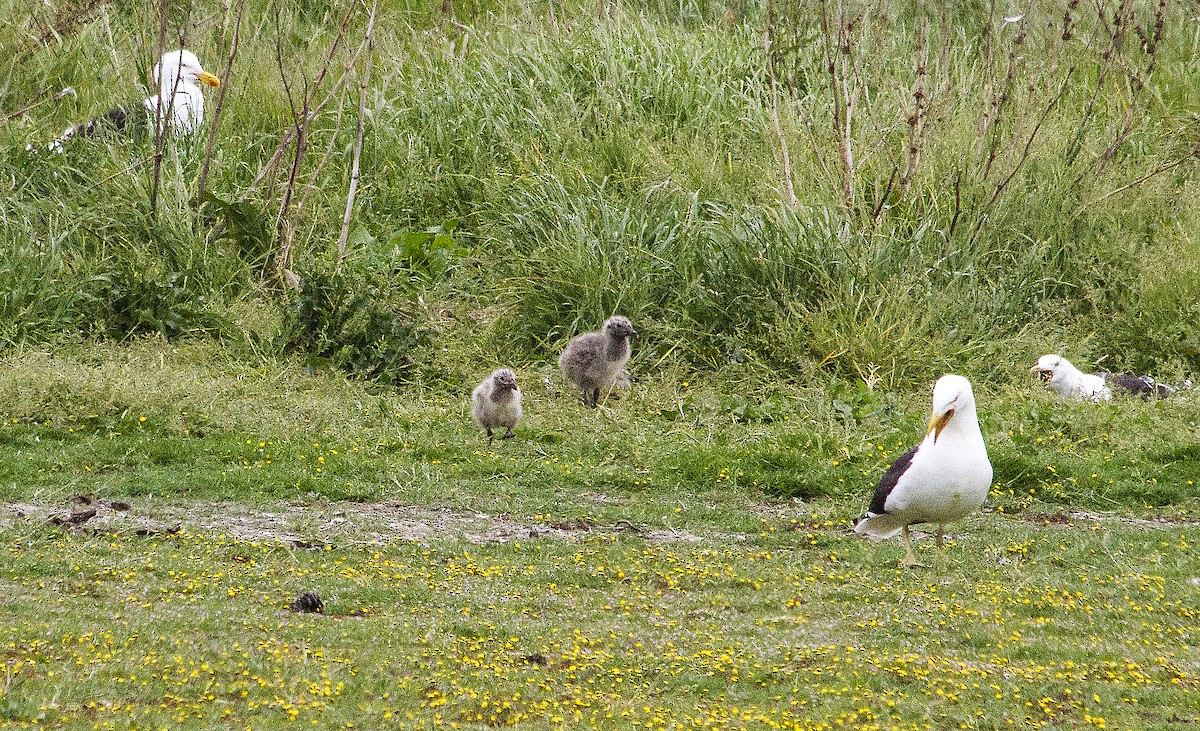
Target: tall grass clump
pixel 38 292
pixel 852 188
pixel 982 194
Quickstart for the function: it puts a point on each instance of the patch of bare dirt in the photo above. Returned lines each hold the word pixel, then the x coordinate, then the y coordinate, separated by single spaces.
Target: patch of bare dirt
pixel 1161 521
pixel 316 525
pixel 1047 518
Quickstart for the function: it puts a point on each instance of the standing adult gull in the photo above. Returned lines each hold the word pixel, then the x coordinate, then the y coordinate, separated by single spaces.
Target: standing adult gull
pixel 944 478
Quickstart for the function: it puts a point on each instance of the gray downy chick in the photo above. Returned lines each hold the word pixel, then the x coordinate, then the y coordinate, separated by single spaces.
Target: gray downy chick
pixel 595 361
pixel 496 403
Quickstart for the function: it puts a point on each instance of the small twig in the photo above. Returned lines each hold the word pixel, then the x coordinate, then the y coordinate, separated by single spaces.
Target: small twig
pixel 1134 183
pixel 325 157
pixel 838 56
pixel 358 140
pixel 212 127
pixel 160 114
pixel 1108 57
pixel 41 99
pixel 316 172
pixel 1025 152
pixel 783 146
pixel 846 107
pixel 300 120
pixel 992 124
pixel 957 203
pixel 1062 89
pixel 124 170
pixel 916 120
pixel 881 198
pixel 286 137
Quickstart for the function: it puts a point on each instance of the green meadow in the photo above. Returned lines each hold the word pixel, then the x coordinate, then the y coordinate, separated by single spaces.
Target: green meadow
pixel 233 371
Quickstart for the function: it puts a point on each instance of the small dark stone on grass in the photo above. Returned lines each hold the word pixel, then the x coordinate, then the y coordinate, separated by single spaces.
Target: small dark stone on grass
pixel 308 601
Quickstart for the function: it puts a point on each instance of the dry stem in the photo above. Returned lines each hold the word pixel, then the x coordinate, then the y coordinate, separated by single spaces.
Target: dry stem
pixel 783 146
pixel 358 140
pixel 220 101
pixel 160 114
pixel 287 136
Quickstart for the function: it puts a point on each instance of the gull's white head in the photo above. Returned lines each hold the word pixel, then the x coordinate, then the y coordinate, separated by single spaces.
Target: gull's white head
pixel 1050 365
pixel 181 67
pixel 1067 380
pixel 952 397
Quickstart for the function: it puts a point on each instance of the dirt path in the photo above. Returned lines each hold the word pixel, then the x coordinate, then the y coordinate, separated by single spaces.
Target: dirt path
pixel 313 525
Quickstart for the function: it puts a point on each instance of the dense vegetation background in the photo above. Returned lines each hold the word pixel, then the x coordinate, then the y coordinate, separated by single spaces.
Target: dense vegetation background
pixel 879 190
pixel 217 390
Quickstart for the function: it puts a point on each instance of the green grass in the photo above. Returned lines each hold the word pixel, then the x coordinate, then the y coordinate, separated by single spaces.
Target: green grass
pixel 800 623
pixel 586 165
pixel 156 418
pixel 683 558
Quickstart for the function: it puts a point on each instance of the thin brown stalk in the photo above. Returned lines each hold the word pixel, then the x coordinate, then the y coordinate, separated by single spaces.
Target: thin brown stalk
pixel 220 101
pixel 837 32
pixel 160 114
pixel 916 120
pixel 1026 150
pixel 957 204
pixel 300 121
pixel 881 197
pixel 1191 156
pixel 364 83
pixel 38 101
pixel 1108 61
pixel 778 127
pixel 993 129
pixel 285 139
pixel 325 157
pixel 1033 136
pixel 1136 80
pixel 846 108
pixel 818 147
pixel 987 76
pixel 122 171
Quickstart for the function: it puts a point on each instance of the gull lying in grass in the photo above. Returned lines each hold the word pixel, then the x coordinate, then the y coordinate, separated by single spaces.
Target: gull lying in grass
pixel 1068 381
pixel 179 98
pixel 944 478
